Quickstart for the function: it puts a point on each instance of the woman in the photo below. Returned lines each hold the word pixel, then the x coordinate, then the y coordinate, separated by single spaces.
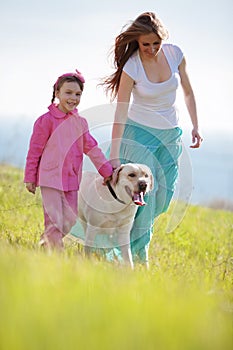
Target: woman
pixel 147 130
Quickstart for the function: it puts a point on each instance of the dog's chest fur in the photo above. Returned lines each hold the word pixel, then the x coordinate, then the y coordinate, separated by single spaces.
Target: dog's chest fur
pixel 112 219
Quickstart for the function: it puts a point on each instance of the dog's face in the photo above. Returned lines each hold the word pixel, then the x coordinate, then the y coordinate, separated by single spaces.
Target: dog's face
pixel 133 181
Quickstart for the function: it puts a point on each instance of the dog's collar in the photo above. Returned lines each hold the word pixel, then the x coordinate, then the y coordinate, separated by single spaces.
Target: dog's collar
pixel 113 193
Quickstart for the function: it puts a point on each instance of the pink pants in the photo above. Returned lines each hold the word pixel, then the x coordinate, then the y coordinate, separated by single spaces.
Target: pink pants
pixel 60 214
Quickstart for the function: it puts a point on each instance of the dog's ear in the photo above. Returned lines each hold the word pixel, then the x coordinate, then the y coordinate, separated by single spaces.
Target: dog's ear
pixel 151 177
pixel 115 175
pixel 151 181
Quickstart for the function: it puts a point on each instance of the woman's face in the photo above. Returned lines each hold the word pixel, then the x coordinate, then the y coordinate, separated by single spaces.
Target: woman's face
pixel 149 44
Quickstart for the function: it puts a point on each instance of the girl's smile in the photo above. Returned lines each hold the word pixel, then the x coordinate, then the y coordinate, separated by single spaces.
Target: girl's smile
pixel 69 96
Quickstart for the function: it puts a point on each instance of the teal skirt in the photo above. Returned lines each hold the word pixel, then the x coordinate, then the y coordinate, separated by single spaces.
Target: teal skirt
pixel 160 150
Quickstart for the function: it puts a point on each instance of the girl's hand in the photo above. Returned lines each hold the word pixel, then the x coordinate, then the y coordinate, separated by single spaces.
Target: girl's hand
pixel 196 138
pixel 31 187
pixel 107 179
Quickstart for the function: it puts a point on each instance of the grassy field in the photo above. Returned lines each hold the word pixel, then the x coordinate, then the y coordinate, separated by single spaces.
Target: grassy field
pixel 62 301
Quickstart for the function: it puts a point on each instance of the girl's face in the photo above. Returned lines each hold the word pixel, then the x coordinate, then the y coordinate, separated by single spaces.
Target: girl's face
pixel 149 45
pixel 69 96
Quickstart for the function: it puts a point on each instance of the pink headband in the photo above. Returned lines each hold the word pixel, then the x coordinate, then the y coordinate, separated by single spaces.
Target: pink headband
pixel 78 75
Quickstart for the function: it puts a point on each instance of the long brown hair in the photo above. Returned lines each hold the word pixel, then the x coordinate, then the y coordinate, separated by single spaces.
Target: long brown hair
pixel 126 43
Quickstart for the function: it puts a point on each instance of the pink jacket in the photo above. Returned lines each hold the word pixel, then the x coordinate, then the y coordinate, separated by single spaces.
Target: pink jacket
pixel 57 145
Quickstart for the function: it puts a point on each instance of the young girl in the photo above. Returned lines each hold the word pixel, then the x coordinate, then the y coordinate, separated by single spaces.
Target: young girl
pixel 54 161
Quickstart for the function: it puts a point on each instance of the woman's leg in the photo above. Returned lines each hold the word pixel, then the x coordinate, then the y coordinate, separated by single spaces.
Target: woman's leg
pixel 159 149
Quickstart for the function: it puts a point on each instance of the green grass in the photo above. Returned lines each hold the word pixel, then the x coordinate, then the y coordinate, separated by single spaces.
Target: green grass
pixel 63 301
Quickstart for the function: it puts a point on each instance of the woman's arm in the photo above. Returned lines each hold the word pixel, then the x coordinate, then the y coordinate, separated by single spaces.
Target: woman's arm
pixel 190 102
pixel 121 114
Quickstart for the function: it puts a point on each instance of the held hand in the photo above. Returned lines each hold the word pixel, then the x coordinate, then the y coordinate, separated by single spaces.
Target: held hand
pixel 31 187
pixel 196 139
pixel 107 179
pixel 115 163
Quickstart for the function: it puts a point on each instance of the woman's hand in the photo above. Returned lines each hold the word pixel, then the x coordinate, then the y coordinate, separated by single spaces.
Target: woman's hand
pixel 115 163
pixel 196 138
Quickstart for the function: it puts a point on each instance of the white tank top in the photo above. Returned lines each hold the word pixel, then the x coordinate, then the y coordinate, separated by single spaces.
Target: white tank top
pixel 153 104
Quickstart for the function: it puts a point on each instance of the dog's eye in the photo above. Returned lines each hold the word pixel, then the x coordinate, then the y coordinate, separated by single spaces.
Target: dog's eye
pixel 131 175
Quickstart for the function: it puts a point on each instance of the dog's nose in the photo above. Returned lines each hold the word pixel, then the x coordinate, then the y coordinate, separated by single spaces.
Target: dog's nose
pixel 142 185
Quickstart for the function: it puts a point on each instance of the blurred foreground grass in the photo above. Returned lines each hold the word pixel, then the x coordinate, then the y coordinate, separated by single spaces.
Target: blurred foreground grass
pixel 63 301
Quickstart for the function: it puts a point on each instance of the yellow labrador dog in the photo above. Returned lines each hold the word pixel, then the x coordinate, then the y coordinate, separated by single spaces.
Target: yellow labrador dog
pixel 110 209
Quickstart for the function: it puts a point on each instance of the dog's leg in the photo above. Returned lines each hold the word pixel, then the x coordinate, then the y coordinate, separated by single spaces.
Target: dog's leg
pixel 89 239
pixel 124 243
pixel 126 255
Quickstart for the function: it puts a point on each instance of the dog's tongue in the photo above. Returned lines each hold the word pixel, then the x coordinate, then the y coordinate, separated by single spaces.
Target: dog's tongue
pixel 139 199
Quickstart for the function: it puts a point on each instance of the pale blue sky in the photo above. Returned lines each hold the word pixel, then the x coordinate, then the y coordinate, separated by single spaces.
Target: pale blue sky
pixel 41 40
